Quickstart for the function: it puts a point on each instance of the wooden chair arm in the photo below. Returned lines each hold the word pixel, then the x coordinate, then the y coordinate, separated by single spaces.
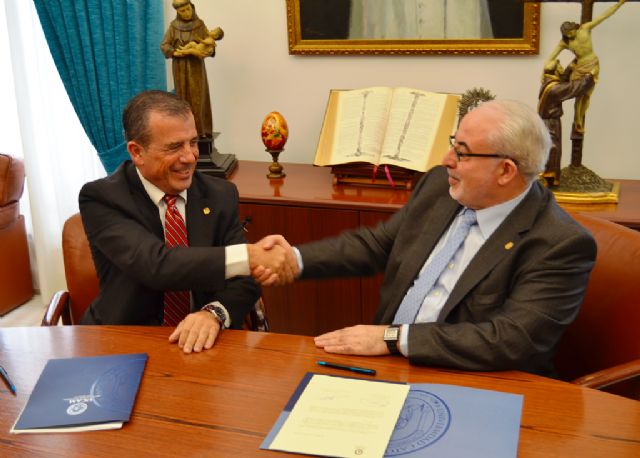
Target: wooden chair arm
pixel 58 308
pixel 610 376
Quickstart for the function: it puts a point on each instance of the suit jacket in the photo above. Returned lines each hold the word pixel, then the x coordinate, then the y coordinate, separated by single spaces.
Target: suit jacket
pixel 511 305
pixel 134 266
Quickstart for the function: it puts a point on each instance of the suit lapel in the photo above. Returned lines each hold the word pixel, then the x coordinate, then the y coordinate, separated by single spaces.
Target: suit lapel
pixel 145 208
pixel 201 216
pixel 505 239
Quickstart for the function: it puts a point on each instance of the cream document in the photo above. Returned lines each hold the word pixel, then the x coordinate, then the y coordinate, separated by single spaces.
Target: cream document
pixel 342 417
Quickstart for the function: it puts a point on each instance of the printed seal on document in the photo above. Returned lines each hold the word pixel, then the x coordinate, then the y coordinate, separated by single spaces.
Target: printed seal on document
pixel 424 419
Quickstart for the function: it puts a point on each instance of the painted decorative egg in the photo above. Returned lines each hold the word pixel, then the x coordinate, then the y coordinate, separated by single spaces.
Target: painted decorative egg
pixel 274 131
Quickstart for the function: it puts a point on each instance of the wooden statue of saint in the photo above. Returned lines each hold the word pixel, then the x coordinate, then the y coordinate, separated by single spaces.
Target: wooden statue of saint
pixel 188 42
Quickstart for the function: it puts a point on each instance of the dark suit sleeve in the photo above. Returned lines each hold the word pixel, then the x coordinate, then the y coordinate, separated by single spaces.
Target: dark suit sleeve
pixel 239 293
pixel 119 236
pixel 133 263
pixel 520 327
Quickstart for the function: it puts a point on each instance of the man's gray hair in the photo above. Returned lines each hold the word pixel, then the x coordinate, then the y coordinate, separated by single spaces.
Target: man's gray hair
pixel 522 135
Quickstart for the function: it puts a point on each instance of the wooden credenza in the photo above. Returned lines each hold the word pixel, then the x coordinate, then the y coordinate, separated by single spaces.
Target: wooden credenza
pixel 307 206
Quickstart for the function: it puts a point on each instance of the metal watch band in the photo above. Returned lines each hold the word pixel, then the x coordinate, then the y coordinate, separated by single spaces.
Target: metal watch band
pixel 219 313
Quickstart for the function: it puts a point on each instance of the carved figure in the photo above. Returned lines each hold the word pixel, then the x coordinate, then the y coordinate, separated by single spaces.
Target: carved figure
pixel 577 39
pixel 188 42
pixel 557 87
pixel 206 46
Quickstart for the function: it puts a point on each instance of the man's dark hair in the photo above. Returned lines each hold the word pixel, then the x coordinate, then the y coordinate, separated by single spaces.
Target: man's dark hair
pixel 135 118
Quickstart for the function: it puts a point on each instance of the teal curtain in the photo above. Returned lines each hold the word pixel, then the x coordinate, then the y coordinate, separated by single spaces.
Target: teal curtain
pixel 106 52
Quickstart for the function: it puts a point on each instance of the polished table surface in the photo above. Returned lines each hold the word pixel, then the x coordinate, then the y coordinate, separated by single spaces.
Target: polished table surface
pixel 224 401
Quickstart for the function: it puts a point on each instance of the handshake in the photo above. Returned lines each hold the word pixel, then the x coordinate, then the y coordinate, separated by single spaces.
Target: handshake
pixel 272 261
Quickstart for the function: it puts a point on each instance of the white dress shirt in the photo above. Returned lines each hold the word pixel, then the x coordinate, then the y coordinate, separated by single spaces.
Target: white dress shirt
pixel 236 256
pixel 488 220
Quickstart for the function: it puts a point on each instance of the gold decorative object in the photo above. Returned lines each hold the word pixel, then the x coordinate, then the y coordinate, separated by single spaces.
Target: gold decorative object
pixel 275 133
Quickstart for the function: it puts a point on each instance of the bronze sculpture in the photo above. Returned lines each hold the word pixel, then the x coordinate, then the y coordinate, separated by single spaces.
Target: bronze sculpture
pixel 188 42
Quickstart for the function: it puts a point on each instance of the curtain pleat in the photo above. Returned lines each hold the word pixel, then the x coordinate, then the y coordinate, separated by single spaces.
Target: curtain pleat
pixel 106 51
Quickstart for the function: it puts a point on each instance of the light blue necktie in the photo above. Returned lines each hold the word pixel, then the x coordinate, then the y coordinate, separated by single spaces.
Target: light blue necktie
pixel 414 298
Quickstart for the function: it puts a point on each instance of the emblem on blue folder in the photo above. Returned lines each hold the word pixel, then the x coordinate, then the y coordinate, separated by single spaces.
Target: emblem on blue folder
pixel 424 419
pixel 79 404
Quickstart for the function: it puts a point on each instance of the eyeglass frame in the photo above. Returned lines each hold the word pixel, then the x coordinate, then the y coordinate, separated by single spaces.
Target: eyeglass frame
pixel 452 144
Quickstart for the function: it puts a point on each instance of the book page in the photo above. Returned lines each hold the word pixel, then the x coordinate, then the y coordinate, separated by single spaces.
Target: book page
pixel 343 417
pixel 418 128
pixel 354 126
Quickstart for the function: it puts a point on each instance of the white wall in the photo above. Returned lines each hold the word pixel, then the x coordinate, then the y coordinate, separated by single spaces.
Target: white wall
pixel 253 74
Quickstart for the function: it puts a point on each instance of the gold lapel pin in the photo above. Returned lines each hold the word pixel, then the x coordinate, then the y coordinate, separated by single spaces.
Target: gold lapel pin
pixel 206 210
pixel 508 245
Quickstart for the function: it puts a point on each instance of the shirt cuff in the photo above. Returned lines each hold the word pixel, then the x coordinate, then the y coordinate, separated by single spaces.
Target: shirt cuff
pixel 403 342
pixel 236 261
pixel 299 259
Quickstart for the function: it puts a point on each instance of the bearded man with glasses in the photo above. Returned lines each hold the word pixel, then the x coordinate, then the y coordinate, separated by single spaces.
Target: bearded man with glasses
pixel 483 269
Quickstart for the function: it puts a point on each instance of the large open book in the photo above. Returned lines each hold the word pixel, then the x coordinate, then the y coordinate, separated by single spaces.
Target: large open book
pixel 401 127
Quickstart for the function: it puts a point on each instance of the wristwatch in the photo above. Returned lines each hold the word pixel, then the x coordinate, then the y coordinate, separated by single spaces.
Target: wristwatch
pixel 391 337
pixel 220 313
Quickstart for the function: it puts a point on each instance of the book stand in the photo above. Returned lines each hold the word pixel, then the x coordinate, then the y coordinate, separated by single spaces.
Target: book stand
pixel 365 174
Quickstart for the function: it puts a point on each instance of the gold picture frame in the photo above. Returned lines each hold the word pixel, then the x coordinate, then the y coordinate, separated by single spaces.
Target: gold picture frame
pixel 526 44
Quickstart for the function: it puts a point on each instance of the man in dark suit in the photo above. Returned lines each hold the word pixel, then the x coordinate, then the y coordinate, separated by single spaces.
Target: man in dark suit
pixel 200 286
pixel 512 284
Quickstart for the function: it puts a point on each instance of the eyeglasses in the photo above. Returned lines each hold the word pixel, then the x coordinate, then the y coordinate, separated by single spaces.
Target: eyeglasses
pixel 460 155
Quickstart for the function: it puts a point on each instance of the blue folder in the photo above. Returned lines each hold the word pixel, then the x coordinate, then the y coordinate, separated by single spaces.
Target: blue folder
pixel 444 421
pixel 79 394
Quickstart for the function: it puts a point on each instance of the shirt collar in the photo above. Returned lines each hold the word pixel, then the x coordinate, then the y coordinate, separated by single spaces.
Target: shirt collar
pixel 155 193
pixel 490 218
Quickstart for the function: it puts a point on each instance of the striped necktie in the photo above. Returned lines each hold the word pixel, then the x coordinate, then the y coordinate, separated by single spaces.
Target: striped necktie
pixel 176 303
pixel 410 305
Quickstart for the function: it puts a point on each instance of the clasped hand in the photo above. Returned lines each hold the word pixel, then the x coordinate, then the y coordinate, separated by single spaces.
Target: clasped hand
pixel 272 261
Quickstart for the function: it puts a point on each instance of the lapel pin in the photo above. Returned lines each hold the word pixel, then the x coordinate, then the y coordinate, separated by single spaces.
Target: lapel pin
pixel 508 245
pixel 206 210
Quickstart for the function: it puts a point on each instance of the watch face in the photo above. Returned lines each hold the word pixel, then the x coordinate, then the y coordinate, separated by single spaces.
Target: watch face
pixel 391 333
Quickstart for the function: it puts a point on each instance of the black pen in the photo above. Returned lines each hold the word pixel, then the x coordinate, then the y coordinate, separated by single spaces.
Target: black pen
pixel 6 378
pixel 358 370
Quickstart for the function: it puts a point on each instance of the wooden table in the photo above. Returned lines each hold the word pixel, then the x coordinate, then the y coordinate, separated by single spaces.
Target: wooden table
pixel 223 402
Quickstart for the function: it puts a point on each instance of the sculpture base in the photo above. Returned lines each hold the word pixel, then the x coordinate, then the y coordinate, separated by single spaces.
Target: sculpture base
pixel 578 184
pixel 610 197
pixel 211 162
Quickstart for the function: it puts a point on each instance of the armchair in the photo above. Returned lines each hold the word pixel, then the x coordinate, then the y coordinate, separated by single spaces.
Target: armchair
pixel 83 285
pixel 601 349
pixel 15 271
